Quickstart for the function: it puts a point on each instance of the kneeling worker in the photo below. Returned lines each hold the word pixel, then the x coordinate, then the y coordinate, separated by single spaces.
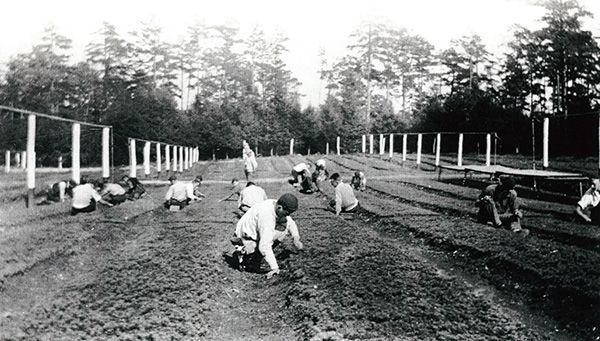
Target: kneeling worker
pixel 587 207
pixel 498 204
pixel 345 201
pixel 251 195
pixel 85 197
pixel 179 194
pixel 265 223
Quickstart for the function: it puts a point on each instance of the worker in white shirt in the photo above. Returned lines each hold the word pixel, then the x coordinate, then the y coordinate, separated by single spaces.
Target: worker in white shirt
pixel 299 172
pixel 178 194
pixel 251 195
pixel 587 207
pixel 250 163
pixel 264 224
pixel 195 187
pixel 85 197
pixel 113 193
pixel 344 201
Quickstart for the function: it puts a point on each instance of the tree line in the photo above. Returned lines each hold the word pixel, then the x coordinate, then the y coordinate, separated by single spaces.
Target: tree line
pixel 217 87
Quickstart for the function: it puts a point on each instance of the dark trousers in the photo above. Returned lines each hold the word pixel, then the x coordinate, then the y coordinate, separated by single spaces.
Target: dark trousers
pixel 89 208
pixel 116 199
pixel 173 202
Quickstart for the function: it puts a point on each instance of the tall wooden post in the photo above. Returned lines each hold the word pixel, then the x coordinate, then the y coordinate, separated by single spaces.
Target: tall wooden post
pixel 337 145
pixel 147 158
pixel 404 145
pixel 488 150
pixel 175 161
pixel 391 146
pixel 370 143
pixel 24 159
pixel 327 148
pixel 132 159
pixel 364 144
pixel 7 161
pixel 60 162
pixel 419 148
pixel 460 150
pixel 167 158
pixel 291 146
pixel 105 152
pixel 438 149
pixel 546 141
pixel 381 144
pixel 158 159
pixel 186 157
pixel 75 152
pixel 30 159
pixel 180 159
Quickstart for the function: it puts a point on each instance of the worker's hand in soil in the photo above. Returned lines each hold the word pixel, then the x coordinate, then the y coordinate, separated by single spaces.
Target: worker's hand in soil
pixel 298 244
pixel 271 273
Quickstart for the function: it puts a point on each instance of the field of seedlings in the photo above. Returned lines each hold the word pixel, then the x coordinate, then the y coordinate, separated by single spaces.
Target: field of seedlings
pixel 414 265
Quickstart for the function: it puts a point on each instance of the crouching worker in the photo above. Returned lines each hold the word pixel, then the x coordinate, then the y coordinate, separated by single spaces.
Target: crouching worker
pixel 179 194
pixel 264 225
pixel 498 204
pixel 85 197
pixel 57 191
pixel 113 193
pixel 587 207
pixel 250 196
pixel 344 201
pixel 299 173
pixel 135 189
pixel 359 181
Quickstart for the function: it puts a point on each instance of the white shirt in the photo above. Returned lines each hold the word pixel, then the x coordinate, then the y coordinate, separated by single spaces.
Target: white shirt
pixel 259 224
pixel 180 191
pixel 299 168
pixel 251 195
pixel 62 188
pixel 83 195
pixel 250 163
pixel 590 199
pixel 344 198
pixel 113 189
pixel 320 163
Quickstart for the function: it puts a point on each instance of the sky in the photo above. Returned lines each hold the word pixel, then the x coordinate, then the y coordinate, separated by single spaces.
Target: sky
pixel 312 26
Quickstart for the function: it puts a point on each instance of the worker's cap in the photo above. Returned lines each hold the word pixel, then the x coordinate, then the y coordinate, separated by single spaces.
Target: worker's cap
pixel 289 202
pixel 508 181
pixel 172 178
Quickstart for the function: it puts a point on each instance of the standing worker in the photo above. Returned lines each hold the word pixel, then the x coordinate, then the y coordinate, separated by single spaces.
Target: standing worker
pixel 250 163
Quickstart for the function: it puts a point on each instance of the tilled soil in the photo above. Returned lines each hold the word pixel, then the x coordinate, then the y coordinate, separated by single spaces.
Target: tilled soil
pixel 401 270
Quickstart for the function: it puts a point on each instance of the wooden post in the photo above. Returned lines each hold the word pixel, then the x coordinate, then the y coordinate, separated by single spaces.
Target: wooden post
pixel 291 146
pixel 391 146
pixel 132 159
pixel 337 145
pixel 546 141
pixel 60 162
pixel 488 149
pixel 460 150
pixel 308 150
pixel 381 144
pixel 371 144
pixel 17 159
pixel 105 152
pixel 175 161
pixel 419 145
pixel 158 159
pixel 327 148
pixel 30 159
pixel 7 161
pixel 438 149
pixel 404 144
pixel 167 158
pixel 75 152
pixel 146 158
pixel 364 143
pixel 186 158
pixel 24 159
pixel 180 159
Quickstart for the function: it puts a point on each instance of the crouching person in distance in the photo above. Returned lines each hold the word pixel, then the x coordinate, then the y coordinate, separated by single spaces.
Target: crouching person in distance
pixel 299 173
pixel 85 197
pixel 134 188
pixel 263 225
pixel 251 195
pixel 498 204
pixel 196 187
pixel 57 191
pixel 587 207
pixel 359 181
pixel 178 194
pixel 344 201
pixel 113 193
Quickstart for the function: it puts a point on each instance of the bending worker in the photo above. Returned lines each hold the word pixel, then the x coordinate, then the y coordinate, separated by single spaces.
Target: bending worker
pixel 179 194
pixel 250 196
pixel 587 207
pixel 498 204
pixel 265 223
pixel 345 200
